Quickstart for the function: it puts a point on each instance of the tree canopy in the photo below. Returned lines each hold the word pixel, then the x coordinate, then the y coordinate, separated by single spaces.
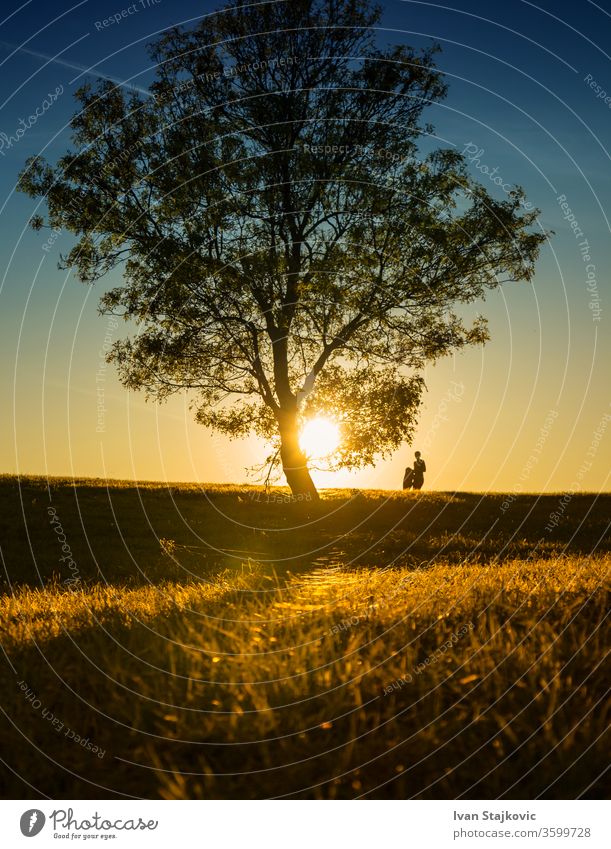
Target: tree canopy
pixel 290 239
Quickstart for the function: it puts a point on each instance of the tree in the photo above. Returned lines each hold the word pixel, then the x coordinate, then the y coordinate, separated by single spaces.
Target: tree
pixel 289 241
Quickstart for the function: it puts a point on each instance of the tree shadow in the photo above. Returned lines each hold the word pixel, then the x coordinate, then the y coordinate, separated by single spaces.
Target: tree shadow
pixel 128 535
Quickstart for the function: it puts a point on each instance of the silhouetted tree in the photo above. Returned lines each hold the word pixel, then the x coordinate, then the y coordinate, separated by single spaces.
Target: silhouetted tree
pixel 286 246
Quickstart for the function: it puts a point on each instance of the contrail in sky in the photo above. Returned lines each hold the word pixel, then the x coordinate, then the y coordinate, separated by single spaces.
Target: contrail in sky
pixel 72 65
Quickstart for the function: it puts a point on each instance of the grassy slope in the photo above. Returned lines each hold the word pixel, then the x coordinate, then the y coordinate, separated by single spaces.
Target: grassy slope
pixel 267 676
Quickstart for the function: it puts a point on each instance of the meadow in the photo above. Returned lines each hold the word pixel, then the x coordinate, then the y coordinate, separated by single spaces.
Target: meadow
pixel 187 641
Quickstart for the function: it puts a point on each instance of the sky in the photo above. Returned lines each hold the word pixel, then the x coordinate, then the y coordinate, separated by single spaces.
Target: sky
pixel 529 102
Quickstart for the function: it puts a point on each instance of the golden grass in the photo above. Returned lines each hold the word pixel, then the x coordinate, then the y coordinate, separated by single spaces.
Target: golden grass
pixel 331 684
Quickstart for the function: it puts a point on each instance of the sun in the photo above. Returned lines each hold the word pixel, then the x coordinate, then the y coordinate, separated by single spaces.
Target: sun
pixel 319 437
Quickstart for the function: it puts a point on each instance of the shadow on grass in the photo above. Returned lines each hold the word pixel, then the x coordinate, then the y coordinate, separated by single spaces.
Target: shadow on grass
pixel 126 534
pixel 178 706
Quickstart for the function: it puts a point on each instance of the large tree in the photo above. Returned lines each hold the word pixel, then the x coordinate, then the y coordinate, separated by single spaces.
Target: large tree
pixel 290 239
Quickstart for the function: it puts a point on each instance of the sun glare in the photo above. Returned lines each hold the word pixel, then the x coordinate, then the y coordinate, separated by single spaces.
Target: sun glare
pixel 319 437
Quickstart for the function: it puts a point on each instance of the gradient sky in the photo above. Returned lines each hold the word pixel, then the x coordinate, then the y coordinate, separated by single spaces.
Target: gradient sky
pixel 519 75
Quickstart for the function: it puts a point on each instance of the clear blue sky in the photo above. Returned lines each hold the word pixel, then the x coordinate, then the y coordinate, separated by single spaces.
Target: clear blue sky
pixel 522 94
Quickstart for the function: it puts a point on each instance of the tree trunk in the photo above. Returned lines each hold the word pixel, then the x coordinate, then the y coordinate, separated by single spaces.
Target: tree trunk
pixel 294 461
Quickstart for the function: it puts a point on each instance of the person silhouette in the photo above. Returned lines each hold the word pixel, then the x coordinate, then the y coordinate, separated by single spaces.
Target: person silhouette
pixel 408 478
pixel 419 470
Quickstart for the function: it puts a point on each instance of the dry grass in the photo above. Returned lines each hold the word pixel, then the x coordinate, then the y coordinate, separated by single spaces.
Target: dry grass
pixel 246 685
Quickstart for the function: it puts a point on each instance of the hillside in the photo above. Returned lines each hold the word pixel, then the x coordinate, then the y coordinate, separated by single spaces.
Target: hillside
pixel 377 644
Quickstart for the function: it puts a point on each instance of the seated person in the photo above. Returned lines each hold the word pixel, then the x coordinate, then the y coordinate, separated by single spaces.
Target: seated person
pixel 408 478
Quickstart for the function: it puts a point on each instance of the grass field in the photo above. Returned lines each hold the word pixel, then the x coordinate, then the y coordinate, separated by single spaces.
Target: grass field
pixel 219 642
